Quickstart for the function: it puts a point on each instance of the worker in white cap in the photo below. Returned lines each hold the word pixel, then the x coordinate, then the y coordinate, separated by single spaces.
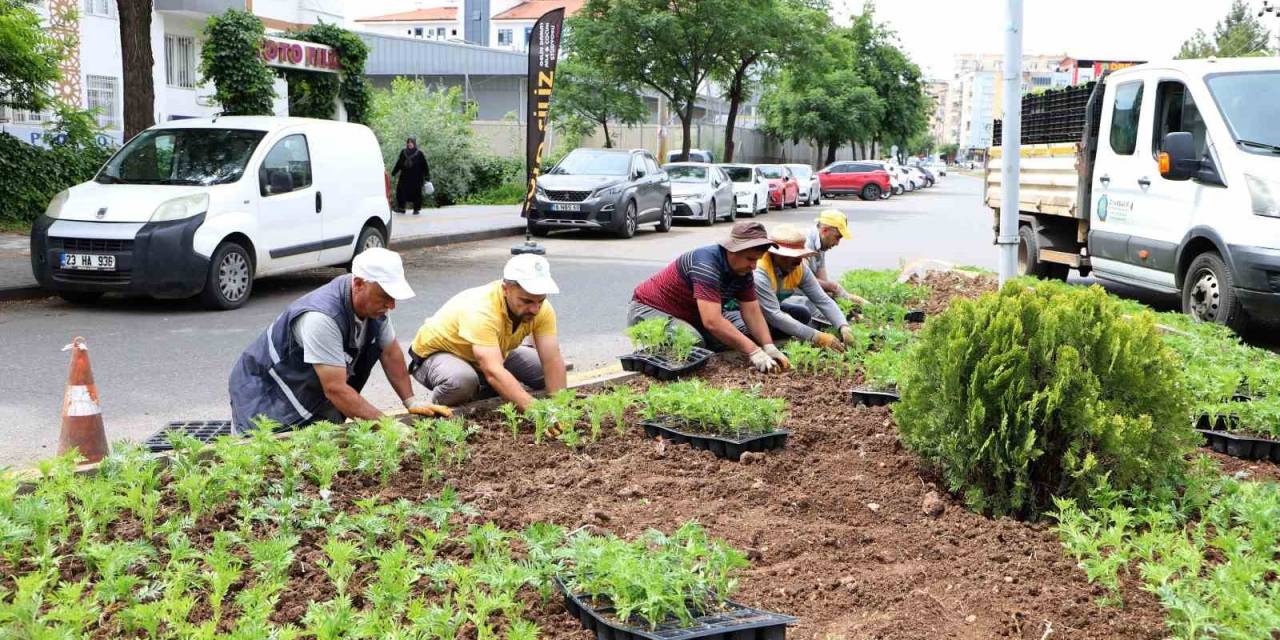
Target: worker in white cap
pixel 476 345
pixel 314 359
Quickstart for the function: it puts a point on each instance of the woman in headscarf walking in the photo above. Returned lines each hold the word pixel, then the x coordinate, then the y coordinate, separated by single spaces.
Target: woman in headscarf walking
pixel 414 173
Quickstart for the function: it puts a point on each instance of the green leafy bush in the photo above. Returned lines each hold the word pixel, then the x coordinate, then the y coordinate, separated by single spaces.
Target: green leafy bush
pixel 695 405
pixel 882 286
pixel 1035 392
pixel 31 176
pixel 656 578
pixel 231 58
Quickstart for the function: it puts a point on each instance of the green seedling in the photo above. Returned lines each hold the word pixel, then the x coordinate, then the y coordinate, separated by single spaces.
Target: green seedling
pixel 700 407
pixel 660 337
pixel 341 556
pixel 511 414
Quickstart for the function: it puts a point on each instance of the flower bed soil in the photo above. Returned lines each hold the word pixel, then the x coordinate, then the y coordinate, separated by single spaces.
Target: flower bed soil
pixel 835 525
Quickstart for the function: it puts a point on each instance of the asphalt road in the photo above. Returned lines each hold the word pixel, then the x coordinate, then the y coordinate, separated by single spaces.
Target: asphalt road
pixel 156 361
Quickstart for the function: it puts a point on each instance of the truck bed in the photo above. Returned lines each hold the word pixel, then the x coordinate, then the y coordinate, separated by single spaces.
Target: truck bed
pixel 1048 179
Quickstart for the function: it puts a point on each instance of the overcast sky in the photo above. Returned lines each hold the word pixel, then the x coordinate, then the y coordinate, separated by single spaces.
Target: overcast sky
pixel 932 31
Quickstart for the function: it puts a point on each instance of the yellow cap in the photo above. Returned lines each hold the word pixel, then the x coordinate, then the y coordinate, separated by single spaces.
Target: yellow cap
pixel 836 220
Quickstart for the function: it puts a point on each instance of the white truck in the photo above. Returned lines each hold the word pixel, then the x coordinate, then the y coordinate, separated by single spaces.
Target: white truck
pixel 1173 186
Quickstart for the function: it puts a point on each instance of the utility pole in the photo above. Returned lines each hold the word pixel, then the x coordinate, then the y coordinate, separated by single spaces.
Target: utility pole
pixel 1011 143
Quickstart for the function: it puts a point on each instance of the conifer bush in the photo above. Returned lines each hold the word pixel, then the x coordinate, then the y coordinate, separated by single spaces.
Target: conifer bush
pixel 1035 392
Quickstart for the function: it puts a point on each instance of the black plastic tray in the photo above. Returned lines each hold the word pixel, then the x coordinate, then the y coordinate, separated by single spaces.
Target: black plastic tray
pixel 864 397
pixel 735 622
pixel 202 430
pixel 660 368
pixel 914 315
pixel 1217 436
pixel 723 447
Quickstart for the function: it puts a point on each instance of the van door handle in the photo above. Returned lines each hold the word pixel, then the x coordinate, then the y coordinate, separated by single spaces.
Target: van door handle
pixel 1144 182
pixel 1105 180
pixel 319 202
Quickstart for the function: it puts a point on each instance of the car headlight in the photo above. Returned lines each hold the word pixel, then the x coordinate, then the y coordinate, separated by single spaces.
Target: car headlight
pixel 54 210
pixel 1265 195
pixel 609 192
pixel 182 208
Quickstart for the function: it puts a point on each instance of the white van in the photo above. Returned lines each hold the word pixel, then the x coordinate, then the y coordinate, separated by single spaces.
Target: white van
pixel 203 207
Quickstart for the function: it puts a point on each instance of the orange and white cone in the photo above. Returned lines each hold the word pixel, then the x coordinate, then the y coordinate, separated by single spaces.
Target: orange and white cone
pixel 81 414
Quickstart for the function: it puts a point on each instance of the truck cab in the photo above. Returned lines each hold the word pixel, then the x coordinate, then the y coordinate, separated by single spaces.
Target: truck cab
pixel 1173 187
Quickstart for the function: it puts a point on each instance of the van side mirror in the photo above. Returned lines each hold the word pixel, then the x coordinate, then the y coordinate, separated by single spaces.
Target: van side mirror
pixel 1178 160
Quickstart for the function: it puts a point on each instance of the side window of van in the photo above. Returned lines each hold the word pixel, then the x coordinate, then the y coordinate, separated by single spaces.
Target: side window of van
pixel 287 167
pixel 1124 118
pixel 1177 111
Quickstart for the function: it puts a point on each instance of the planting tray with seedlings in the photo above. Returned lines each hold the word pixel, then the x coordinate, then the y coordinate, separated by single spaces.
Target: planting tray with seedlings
pixel 867 398
pixel 1222 433
pixel 664 350
pixel 731 621
pixel 726 422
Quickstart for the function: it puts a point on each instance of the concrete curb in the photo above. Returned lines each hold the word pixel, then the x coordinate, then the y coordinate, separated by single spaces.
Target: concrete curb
pixel 35 292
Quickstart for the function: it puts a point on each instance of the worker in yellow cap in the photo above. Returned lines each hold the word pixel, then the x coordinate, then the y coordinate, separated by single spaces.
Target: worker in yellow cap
pixel 832 227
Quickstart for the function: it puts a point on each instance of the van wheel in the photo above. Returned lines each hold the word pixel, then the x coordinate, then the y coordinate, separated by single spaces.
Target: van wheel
pixel 371 237
pixel 230 278
pixel 80 297
pixel 1208 293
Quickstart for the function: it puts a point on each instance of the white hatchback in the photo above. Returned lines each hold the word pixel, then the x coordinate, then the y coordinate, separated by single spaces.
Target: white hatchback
pixel 810 193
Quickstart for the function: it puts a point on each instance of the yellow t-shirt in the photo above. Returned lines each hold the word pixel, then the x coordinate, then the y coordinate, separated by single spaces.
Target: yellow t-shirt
pixel 478 317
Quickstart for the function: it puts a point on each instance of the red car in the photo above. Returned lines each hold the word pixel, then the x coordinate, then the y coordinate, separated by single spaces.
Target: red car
pixel 784 190
pixel 863 179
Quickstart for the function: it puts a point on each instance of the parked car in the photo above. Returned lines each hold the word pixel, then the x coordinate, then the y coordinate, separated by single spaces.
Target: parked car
pixel 783 189
pixel 939 169
pixel 695 155
pixel 867 180
pixel 926 174
pixel 700 191
pixel 895 179
pixel 205 206
pixel 612 189
pixel 910 180
pixel 809 187
pixel 750 188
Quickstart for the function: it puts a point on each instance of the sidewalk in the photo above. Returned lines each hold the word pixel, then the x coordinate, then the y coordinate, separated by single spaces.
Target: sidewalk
pixel 434 227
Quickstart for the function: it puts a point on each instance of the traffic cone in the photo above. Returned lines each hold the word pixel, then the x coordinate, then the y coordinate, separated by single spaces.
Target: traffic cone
pixel 81 416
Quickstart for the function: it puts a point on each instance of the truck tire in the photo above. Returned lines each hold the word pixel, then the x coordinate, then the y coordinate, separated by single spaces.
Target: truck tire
pixel 1029 263
pixel 1208 293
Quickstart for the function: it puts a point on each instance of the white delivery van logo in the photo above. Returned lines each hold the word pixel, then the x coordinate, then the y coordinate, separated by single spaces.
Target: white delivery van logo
pixel 1102 208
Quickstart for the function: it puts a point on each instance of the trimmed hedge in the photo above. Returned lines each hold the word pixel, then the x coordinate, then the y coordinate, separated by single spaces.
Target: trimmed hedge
pixel 1036 392
pixel 31 176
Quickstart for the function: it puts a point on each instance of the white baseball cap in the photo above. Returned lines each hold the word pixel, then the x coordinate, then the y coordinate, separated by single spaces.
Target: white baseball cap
pixel 385 268
pixel 532 273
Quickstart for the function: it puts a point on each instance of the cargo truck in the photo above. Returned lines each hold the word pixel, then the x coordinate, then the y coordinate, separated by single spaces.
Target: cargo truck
pixel 1162 176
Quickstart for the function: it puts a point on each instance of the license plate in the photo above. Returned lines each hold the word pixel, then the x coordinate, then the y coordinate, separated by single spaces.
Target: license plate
pixel 88 262
pixel 566 207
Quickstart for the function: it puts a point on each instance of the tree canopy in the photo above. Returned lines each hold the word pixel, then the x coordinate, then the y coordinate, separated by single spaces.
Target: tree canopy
pixel 1239 34
pixel 28 58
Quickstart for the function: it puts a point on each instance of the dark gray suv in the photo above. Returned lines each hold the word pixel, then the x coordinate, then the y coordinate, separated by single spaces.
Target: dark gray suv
pixel 612 189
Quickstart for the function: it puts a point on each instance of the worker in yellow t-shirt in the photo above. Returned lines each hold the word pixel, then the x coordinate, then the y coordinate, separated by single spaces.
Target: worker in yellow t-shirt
pixel 474 345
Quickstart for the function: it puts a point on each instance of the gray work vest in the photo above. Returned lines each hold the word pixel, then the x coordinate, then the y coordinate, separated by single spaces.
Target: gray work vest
pixel 271 378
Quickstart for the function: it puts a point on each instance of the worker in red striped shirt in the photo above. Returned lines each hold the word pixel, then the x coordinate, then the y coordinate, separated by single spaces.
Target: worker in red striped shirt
pixel 692 290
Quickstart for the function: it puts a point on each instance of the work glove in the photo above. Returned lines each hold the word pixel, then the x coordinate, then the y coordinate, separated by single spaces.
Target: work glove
pixel 827 341
pixel 778 356
pixel 419 407
pixel 762 362
pixel 846 334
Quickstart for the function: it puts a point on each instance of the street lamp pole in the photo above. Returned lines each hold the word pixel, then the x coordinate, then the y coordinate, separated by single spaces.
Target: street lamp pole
pixel 1010 142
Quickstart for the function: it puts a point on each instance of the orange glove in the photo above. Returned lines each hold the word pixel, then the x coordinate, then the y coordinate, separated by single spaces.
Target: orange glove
pixel 424 408
pixel 828 341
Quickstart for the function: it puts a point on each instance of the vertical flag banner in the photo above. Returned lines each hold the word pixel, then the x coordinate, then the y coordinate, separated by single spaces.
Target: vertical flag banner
pixel 544 50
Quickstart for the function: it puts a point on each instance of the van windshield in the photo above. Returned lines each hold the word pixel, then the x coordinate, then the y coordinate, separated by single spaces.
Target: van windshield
pixel 182 156
pixel 1250 103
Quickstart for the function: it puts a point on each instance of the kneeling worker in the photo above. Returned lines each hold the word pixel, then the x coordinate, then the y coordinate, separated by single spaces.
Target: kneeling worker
pixel 474 342
pixel 693 289
pixel 831 227
pixel 784 284
pixel 312 362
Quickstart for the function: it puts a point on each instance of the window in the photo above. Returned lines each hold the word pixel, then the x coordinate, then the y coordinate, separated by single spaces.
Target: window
pixel 637 165
pixel 504 37
pixel 287 167
pixel 1177 111
pixel 528 31
pixel 650 165
pixel 104 8
pixel 439 33
pixel 100 94
pixel 182 157
pixel 1249 105
pixel 1124 118
pixel 180 61
pixel 417 32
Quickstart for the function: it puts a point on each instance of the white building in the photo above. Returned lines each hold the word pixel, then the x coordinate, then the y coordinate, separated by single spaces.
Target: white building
pixel 502 24
pixel 433 23
pixel 92 74
pixel 977 109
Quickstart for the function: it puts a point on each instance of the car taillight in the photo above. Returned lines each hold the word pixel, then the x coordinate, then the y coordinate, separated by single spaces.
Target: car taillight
pixel 386 179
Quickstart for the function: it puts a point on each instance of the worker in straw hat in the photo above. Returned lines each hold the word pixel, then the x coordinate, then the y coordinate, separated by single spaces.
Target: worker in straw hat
pixel 784 284
pixel 475 345
pixel 314 359
pixel 831 227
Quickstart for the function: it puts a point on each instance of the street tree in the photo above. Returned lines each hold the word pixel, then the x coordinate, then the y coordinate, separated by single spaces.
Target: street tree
pixel 1239 34
pixel 28 58
pixel 671 46
pixel 586 97
pixel 137 63
pixel 895 78
pixel 769 33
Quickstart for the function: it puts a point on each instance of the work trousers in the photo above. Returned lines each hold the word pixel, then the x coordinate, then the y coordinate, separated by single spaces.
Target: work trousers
pixel 453 381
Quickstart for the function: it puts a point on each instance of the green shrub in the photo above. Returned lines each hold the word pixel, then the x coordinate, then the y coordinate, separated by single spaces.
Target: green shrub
pixel 31 176
pixel 1036 392
pixel 441 122
pixel 509 193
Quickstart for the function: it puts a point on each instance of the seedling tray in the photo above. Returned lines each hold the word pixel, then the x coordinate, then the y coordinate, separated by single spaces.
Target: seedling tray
pixel 202 430
pixel 1218 437
pixel 734 622
pixel 721 446
pixel 915 315
pixel 661 368
pixel 866 398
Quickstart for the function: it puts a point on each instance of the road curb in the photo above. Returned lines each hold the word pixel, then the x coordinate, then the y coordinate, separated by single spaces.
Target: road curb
pixel 35 292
